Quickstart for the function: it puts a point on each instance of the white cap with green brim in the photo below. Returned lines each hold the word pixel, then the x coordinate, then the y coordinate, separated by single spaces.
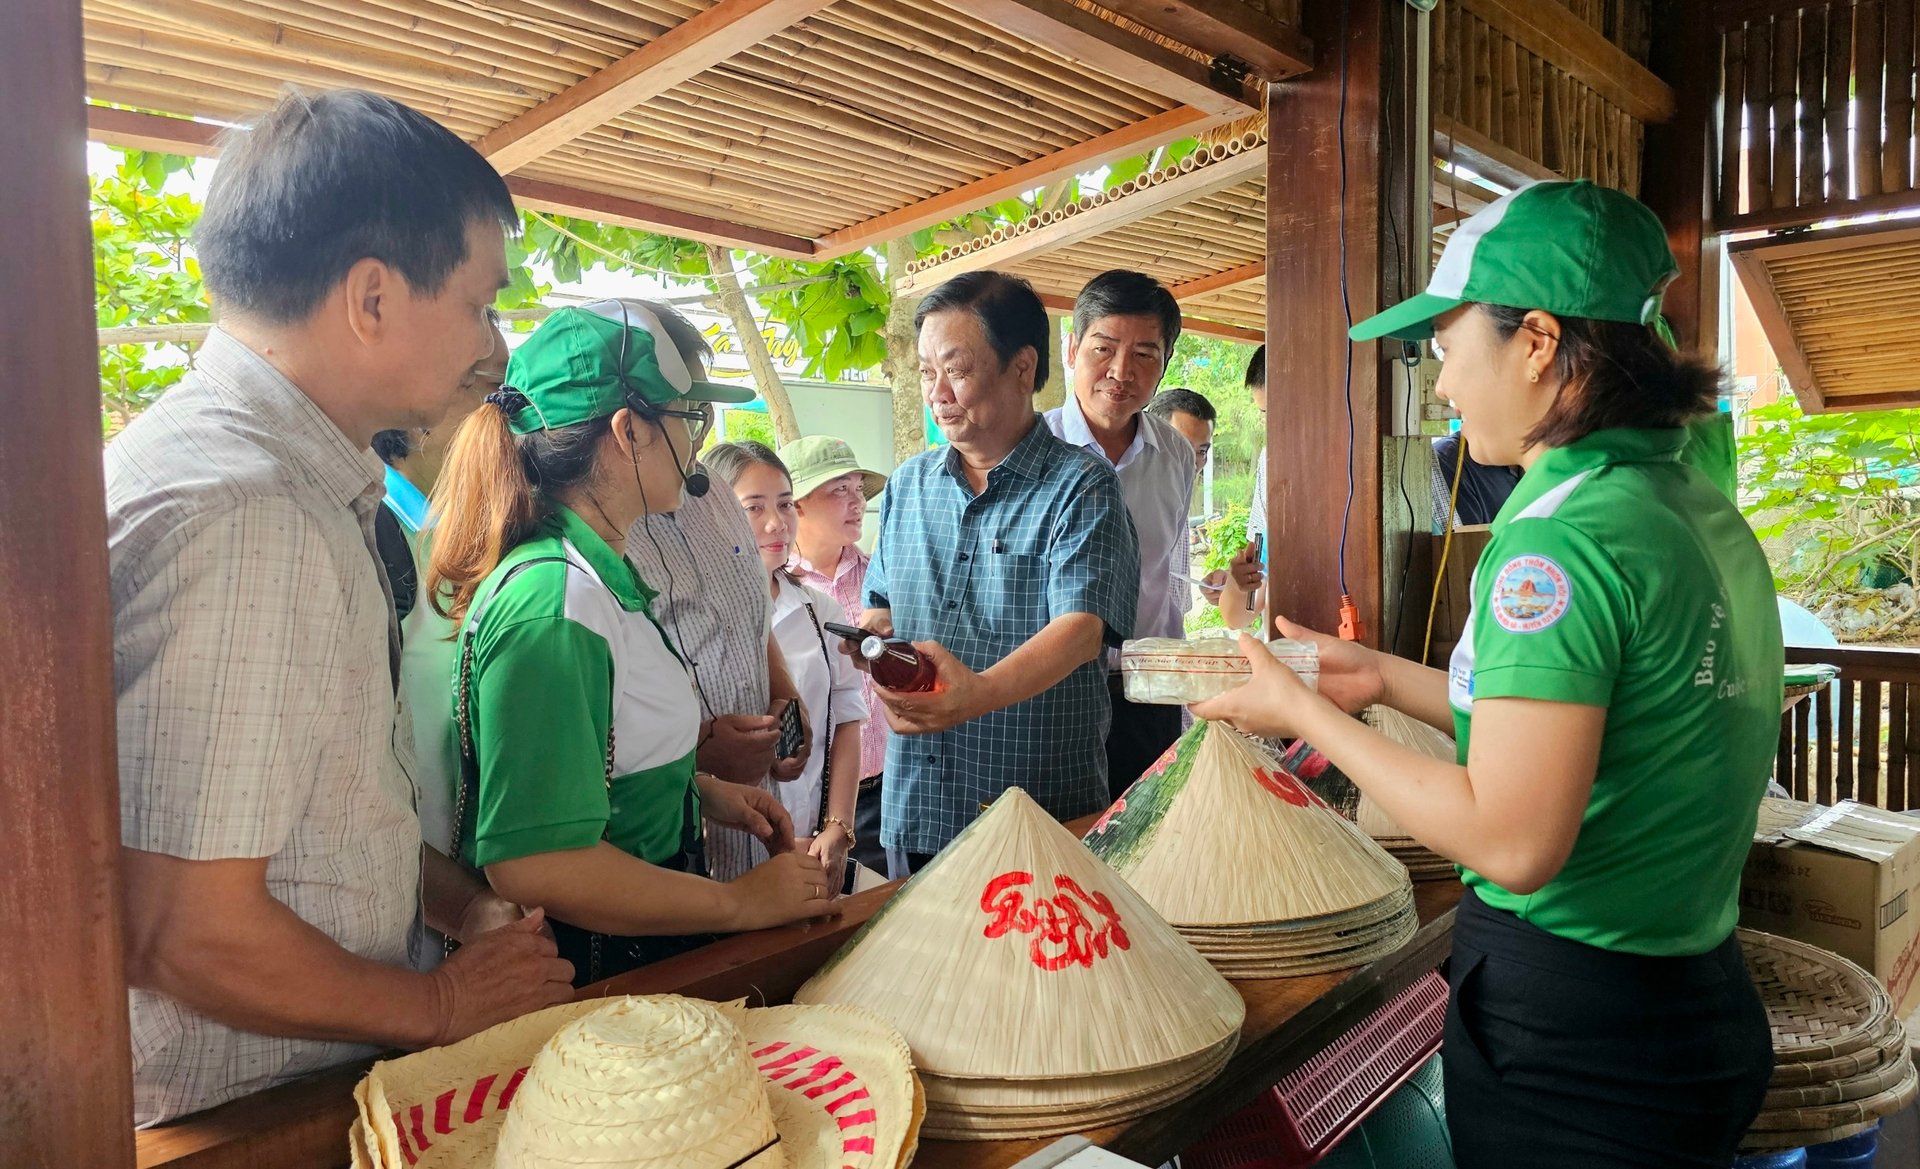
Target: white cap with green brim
pixel 1571 249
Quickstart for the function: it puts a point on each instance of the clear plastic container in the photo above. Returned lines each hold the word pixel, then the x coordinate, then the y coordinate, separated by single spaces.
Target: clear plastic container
pixel 1173 672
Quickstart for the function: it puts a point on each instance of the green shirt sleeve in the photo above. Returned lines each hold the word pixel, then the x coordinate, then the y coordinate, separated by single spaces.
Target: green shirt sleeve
pixel 542 698
pixel 1551 616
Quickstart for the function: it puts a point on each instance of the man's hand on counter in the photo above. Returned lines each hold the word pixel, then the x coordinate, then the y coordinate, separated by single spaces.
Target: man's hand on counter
pixel 960 695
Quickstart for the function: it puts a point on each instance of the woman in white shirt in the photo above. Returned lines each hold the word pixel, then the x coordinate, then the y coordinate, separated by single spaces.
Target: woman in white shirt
pixel 821 801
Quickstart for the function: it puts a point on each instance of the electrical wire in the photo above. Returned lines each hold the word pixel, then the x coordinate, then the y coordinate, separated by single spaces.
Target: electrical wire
pixel 1346 295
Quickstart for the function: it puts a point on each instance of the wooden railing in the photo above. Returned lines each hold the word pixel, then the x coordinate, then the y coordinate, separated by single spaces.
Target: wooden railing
pixel 1825 93
pixel 1862 740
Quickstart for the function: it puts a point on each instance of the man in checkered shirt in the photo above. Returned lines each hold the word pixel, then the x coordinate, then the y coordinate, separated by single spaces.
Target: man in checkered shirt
pixel 1009 557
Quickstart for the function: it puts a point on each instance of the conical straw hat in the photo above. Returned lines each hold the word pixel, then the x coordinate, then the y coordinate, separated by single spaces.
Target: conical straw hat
pixel 1016 955
pixel 649 1082
pixel 1218 833
pixel 1411 733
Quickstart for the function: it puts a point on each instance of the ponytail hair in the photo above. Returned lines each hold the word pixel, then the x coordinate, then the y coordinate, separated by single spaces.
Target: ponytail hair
pixel 1615 374
pixel 495 490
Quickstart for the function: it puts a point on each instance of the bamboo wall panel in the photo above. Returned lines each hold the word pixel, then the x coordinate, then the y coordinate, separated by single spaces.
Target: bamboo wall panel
pixel 1817 112
pixel 869 106
pixel 1489 83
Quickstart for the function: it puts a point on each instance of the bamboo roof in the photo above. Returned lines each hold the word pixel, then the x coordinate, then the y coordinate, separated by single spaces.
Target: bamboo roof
pixel 1839 309
pixel 805 127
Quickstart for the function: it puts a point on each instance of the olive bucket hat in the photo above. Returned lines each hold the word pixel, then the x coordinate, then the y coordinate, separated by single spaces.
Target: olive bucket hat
pixel 1571 249
pixel 820 458
pixel 586 362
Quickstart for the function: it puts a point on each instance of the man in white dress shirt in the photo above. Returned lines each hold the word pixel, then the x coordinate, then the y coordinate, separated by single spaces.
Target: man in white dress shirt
pixel 1124 328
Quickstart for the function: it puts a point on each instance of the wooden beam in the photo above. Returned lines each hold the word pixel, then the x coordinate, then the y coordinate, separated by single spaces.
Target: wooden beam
pixel 137 131
pixel 1783 217
pixel 1464 146
pixel 66 1077
pixel 616 209
pixel 1323 234
pixel 1080 225
pixel 1232 277
pixel 1679 189
pixel 1750 268
pixel 1127 141
pixel 668 60
pixel 1062 306
pixel 200 139
pixel 1553 33
pixel 1225 28
pixel 1103 46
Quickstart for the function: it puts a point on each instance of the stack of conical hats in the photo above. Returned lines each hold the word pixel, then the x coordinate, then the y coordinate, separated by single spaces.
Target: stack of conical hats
pixel 1039 994
pixel 1841 1060
pixel 1250 866
pixel 1331 785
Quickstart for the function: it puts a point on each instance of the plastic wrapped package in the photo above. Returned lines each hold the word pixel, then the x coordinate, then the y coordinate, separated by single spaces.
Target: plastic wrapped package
pixel 1173 672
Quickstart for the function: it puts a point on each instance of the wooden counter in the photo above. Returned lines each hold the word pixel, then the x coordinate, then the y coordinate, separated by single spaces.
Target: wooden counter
pixel 303 1125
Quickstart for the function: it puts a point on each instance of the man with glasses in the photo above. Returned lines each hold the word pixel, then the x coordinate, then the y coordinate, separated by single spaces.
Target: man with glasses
pixel 1124 328
pixel 713 601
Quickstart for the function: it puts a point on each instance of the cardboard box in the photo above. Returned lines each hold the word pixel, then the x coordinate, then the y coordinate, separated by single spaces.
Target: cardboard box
pixel 1845 879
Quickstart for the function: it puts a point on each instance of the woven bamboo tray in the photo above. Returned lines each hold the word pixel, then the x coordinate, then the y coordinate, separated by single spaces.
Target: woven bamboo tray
pixel 1860 1087
pixel 1819 1005
pixel 1826 1118
pixel 1884 1050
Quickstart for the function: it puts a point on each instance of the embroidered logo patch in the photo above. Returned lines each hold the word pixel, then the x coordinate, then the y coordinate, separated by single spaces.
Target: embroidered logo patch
pixel 1530 594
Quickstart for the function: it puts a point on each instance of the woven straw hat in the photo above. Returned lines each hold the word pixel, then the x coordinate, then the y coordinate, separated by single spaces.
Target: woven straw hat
pixel 660 1082
pixel 1016 955
pixel 1218 833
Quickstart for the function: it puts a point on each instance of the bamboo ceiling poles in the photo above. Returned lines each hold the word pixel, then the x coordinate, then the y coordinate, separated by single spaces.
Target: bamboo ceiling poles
pixel 66 1091
pixel 656 67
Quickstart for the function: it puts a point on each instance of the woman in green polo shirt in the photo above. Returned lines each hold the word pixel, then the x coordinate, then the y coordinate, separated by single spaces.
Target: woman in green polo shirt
pixel 576 714
pixel 1616 699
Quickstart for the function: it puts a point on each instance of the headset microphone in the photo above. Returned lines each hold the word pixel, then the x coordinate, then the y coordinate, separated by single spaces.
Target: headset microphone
pixel 697 484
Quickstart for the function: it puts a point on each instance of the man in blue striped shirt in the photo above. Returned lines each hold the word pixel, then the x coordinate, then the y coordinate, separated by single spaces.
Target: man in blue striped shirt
pixel 1009 557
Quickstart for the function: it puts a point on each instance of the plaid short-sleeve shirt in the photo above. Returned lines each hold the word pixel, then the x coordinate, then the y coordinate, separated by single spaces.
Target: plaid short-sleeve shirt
pixel 981 575
pixel 253 655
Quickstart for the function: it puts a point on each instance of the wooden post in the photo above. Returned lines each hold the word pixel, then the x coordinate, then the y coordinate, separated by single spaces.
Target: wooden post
pixel 1676 181
pixel 66 1089
pixel 1310 460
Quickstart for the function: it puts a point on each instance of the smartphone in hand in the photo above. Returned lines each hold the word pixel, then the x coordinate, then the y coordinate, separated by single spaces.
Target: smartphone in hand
pixel 793 731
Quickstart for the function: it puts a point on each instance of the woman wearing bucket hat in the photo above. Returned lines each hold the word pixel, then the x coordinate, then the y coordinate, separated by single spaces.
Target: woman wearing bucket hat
pixel 1615 697
pixel 577 719
pixel 830 495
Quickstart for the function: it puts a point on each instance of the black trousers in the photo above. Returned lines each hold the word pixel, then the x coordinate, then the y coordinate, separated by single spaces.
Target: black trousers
pixel 866 826
pixel 1140 734
pixel 1563 1055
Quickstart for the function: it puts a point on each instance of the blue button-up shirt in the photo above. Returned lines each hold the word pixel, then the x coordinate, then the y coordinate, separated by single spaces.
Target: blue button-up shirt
pixel 1156 480
pixel 982 574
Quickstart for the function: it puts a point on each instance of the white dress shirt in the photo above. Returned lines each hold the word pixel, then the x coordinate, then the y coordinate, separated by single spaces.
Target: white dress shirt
pixel 1156 480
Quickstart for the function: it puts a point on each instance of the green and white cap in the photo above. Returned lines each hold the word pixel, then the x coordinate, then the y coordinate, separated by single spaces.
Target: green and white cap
pixel 1571 249
pixel 583 363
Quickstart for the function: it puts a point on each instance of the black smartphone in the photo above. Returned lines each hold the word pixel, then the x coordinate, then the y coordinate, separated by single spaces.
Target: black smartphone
pixel 792 732
pixel 851 633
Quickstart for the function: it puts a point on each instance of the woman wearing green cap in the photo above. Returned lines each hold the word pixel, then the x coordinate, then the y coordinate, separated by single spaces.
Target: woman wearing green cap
pixel 1615 698
pixel 577 718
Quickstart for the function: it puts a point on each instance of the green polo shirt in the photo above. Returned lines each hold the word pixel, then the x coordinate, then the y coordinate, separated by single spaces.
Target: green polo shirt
pixel 1620 578
pixel 561 651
